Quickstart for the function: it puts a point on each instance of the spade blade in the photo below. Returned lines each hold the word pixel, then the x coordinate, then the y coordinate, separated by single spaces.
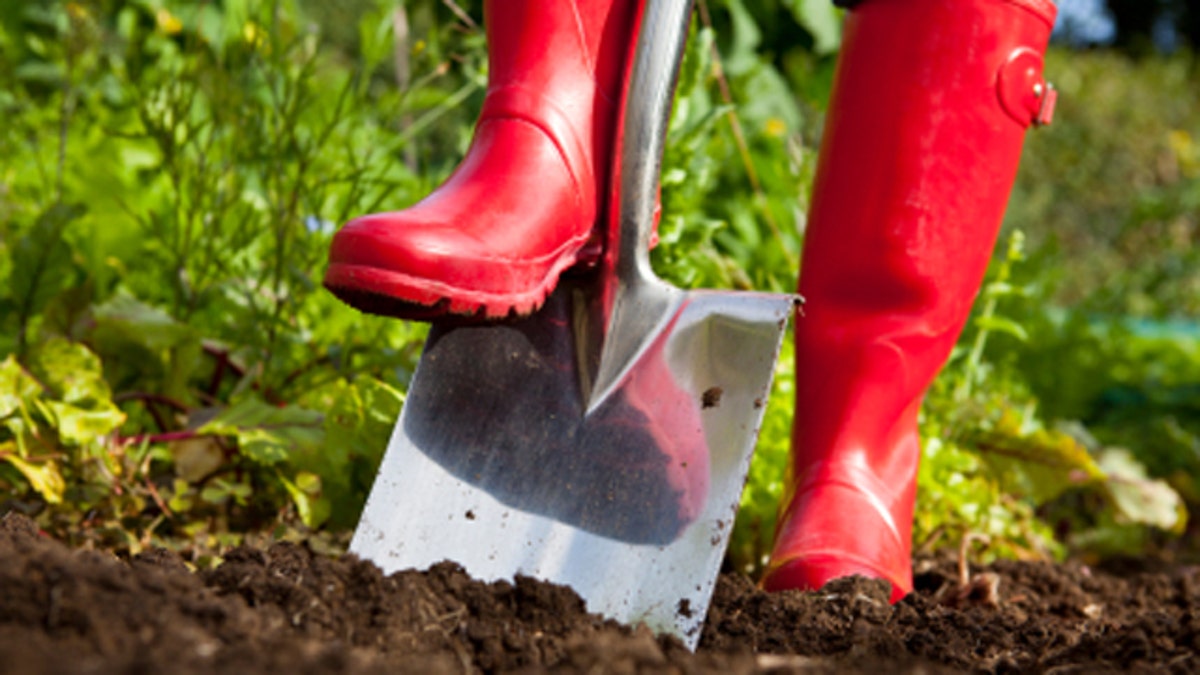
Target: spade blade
pixel 497 464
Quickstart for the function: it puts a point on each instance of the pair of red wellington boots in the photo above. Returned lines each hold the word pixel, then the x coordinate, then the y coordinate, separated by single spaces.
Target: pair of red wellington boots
pixel 929 109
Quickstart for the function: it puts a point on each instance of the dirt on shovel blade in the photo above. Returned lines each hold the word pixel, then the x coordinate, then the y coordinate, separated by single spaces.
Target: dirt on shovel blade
pixel 287 609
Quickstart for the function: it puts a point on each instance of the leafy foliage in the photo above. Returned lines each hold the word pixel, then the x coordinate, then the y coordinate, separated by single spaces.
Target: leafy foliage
pixel 171 181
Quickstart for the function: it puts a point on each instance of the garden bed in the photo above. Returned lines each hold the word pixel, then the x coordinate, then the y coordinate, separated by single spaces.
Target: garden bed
pixel 288 609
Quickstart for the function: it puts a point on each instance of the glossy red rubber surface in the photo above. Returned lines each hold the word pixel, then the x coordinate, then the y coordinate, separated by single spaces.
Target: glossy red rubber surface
pixel 522 206
pixel 915 169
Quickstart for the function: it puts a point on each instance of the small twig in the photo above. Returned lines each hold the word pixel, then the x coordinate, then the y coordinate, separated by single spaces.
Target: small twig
pixel 964 552
pixel 461 14
pixel 789 662
pixel 403 69
pixel 159 420
pixel 162 506
pixel 147 538
pixel 983 588
pixel 452 101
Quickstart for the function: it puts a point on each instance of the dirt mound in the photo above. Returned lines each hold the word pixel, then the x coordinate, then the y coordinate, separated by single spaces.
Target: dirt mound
pixel 286 609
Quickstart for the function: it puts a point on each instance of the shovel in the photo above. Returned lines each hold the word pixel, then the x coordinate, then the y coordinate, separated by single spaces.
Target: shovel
pixel 602 442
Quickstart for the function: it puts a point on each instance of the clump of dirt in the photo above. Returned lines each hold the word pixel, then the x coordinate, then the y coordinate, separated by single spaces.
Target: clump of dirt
pixel 287 609
pixel 1065 618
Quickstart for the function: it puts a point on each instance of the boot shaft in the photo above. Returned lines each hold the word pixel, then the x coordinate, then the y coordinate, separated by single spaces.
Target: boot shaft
pixel 928 113
pixel 559 47
pixel 561 65
pixel 919 155
pixel 929 109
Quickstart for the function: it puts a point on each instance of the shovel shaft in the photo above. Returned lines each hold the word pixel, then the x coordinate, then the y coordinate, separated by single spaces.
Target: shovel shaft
pixel 642 135
pixel 635 303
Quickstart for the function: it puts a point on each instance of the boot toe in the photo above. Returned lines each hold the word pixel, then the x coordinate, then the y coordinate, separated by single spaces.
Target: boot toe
pixel 493 239
pixel 839 525
pixel 812 571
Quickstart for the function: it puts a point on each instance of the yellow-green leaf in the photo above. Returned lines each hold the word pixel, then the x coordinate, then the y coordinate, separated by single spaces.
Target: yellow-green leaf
pixel 311 506
pixel 78 426
pixel 43 477
pixel 72 372
pixel 1137 497
pixel 16 385
pixel 1039 465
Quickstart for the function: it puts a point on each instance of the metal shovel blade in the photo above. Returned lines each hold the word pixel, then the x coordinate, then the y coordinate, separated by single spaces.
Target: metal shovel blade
pixel 603 442
pixel 495 465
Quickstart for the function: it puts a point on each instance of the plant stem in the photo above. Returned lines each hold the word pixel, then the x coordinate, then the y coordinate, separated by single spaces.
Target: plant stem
pixel 158 438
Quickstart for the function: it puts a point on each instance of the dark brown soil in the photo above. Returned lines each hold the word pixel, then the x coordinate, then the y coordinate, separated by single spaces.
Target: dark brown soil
pixel 286 609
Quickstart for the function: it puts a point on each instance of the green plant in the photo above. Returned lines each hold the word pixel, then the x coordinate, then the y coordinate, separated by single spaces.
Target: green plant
pixel 990 461
pixel 169 240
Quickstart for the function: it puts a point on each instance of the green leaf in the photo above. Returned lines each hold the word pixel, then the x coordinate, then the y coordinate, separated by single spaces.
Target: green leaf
pixel 16 386
pixel 697 61
pixel 267 434
pixel 72 372
pixel 264 447
pixel 44 478
pixel 305 492
pixel 1000 324
pixel 360 415
pixel 746 38
pixel 40 72
pixel 1001 289
pixel 79 426
pixel 133 320
pixel 822 20
pixel 374 38
pixel 1038 465
pixel 181 500
pixel 1137 497
pixel 357 428
pixel 41 260
pixel 141 343
pixel 220 491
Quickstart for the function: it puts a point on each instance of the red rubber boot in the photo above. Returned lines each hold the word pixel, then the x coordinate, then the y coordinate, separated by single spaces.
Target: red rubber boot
pixel 930 106
pixel 522 206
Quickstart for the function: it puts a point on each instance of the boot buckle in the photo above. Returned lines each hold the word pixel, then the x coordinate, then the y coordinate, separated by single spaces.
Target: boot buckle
pixel 1023 91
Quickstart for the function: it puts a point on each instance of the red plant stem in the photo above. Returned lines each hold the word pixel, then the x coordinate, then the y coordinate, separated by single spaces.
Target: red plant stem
pixel 223 355
pixel 218 373
pixel 158 438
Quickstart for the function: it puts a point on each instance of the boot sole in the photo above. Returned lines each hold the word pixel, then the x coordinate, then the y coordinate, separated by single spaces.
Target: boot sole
pixel 389 293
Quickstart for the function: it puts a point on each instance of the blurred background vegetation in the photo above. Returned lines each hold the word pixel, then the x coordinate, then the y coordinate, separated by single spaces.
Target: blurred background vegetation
pixel 171 173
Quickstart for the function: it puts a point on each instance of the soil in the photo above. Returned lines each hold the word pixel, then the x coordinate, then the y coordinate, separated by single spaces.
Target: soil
pixel 288 609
